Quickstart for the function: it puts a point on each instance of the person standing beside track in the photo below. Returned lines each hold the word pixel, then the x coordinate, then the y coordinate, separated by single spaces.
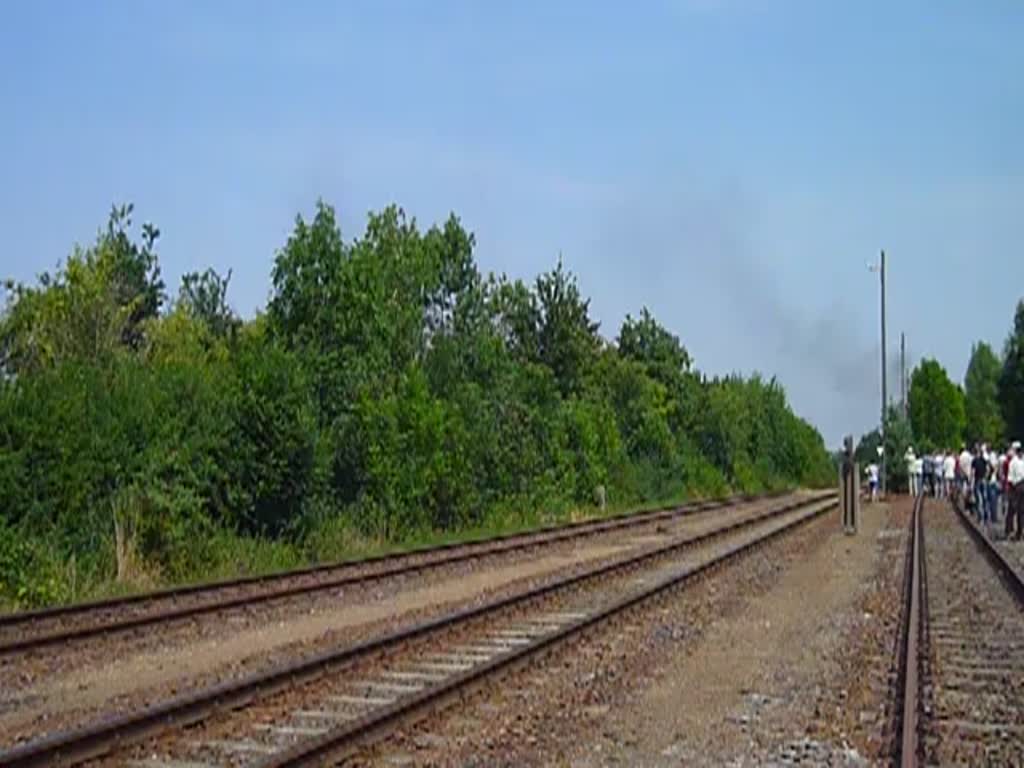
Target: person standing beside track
pixel 948 475
pixel 963 471
pixel 871 470
pixel 979 477
pixel 911 460
pixel 993 484
pixel 1000 480
pixel 918 475
pixel 1015 490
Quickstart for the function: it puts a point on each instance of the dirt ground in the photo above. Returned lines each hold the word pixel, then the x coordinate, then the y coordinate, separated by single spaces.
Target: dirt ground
pixel 121 680
pixel 784 659
pixel 751 691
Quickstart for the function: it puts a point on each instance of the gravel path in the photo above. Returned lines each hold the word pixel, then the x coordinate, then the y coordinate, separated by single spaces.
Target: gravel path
pixel 798 677
pixel 122 673
pixel 278 721
pixel 616 698
pixel 974 682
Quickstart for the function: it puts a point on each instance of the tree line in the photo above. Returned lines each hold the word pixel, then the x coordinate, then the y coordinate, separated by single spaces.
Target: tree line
pixel 943 415
pixel 389 391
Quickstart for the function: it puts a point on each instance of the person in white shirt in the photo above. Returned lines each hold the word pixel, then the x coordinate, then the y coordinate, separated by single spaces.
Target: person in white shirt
pixel 911 459
pixel 918 475
pixel 963 464
pixel 998 476
pixel 993 483
pixel 872 472
pixel 1015 487
pixel 948 474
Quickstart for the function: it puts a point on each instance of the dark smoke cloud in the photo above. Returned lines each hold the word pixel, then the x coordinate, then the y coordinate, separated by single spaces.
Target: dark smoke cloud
pixel 726 295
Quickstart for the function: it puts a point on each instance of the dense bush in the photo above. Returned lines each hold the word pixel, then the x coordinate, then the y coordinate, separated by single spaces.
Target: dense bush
pixel 391 392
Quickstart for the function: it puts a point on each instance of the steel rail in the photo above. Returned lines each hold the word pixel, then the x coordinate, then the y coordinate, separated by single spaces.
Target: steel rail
pixel 98 738
pixel 375 725
pixel 404 563
pixel 1009 575
pixel 911 751
pixel 910 658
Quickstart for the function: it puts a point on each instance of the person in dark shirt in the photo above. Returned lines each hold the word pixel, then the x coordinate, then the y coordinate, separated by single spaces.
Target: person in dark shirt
pixel 979 478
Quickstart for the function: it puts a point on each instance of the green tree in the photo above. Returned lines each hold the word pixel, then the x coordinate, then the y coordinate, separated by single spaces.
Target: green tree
pixel 204 296
pixel 898 438
pixel 981 396
pixel 867 448
pixel 1011 380
pixel 135 270
pixel 647 341
pixel 567 340
pixel 937 416
pixel 665 360
pixel 306 299
pixel 389 390
pixel 97 303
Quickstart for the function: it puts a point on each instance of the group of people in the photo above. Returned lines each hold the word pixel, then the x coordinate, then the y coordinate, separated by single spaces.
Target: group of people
pixel 989 483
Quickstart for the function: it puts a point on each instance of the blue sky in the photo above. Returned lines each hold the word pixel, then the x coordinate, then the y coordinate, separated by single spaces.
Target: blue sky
pixel 731 164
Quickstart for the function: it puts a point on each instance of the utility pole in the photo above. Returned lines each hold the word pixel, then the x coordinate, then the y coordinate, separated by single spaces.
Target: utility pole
pixel 880 268
pixel 903 373
pixel 885 394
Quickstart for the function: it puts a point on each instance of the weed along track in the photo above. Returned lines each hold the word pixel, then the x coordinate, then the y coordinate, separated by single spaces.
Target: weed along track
pixel 337 701
pixel 29 631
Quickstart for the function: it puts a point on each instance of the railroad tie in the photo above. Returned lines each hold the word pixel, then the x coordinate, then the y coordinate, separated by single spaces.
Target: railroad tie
pixel 510 642
pixel 291 730
pixel 441 667
pixel 324 714
pixel 559 618
pixel 483 652
pixel 424 676
pixel 516 634
pixel 361 701
pixel 389 687
pixel 537 628
pixel 243 746
pixel 469 659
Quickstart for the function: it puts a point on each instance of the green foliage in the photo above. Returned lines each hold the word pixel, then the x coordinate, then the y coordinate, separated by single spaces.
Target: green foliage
pixel 204 297
pixel 1011 379
pixel 390 394
pixel 567 339
pixel 94 306
pixel 271 462
pixel 866 451
pixel 898 438
pixel 981 396
pixel 936 407
pixel 647 342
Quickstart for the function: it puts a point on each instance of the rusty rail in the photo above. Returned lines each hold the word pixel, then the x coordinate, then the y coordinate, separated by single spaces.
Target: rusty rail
pixel 346 739
pixel 910 662
pixel 1009 575
pixel 396 564
pixel 99 738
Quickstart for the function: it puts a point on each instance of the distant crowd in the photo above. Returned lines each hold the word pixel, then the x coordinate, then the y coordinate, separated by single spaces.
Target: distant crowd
pixel 989 483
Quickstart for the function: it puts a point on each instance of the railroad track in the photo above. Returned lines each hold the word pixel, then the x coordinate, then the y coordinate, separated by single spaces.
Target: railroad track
pixel 963 666
pixel 32 630
pixel 328 705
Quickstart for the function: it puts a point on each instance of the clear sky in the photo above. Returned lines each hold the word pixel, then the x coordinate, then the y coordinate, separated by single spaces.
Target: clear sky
pixel 731 164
